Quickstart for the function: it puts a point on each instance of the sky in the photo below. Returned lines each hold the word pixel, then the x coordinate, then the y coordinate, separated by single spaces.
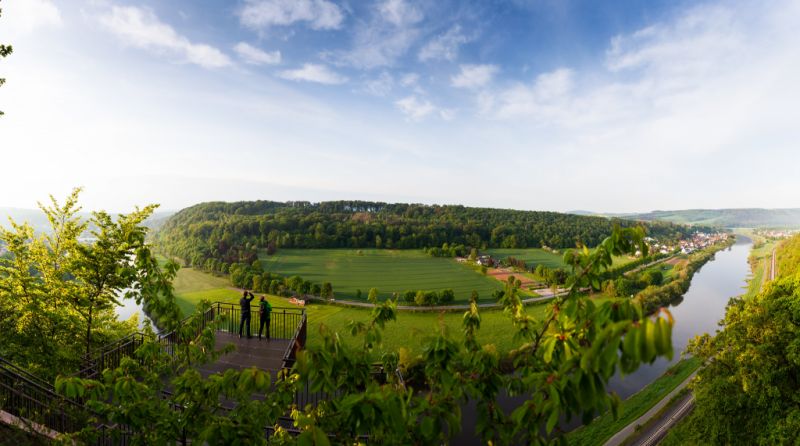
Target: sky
pixel 608 106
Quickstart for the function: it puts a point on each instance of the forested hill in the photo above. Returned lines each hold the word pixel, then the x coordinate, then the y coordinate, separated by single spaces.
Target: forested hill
pixel 232 232
pixel 728 218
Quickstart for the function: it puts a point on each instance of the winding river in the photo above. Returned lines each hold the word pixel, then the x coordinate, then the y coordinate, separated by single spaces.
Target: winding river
pixel 698 312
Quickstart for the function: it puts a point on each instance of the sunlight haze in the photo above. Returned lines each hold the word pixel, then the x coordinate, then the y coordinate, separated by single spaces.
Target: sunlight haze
pixel 628 106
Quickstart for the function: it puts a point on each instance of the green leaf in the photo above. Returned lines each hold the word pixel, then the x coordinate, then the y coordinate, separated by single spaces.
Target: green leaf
pixel 552 419
pixel 549 346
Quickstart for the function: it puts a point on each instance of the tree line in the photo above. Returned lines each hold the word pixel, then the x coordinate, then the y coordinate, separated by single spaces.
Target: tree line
pixel 235 232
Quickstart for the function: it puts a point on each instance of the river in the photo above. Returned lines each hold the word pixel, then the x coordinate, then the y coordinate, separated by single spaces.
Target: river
pixel 128 308
pixel 698 312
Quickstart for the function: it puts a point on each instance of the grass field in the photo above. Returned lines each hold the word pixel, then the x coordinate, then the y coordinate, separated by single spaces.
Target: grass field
pixel 606 426
pixel 537 256
pixel 409 331
pixel 387 270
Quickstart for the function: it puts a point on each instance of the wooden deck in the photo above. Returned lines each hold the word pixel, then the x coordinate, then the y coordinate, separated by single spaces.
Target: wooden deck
pixel 264 354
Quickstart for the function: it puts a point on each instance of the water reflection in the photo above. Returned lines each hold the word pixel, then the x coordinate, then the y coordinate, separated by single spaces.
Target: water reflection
pixel 696 312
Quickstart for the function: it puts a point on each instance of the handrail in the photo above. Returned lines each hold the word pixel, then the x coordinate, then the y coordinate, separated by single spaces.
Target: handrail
pixel 25 374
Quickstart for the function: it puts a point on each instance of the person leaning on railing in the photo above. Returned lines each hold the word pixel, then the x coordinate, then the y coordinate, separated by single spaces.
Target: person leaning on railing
pixel 264 313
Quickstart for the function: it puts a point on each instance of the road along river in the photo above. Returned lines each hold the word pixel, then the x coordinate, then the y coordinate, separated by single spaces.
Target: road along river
pixel 698 311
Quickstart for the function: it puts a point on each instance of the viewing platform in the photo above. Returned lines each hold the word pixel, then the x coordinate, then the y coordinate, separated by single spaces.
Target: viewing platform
pixel 287 331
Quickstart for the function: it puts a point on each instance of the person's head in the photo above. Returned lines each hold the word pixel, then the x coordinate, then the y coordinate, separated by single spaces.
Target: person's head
pixel 244 293
pixel 262 298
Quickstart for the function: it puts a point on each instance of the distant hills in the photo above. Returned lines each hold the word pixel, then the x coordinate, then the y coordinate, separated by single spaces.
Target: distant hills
pixel 728 218
pixel 37 219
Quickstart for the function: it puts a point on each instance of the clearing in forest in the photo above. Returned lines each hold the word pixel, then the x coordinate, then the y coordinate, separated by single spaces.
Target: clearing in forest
pixel 387 270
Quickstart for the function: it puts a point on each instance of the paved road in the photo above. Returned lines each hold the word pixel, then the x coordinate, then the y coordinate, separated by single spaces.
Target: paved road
pixel 350 303
pixel 656 432
pixel 772 270
pixel 630 429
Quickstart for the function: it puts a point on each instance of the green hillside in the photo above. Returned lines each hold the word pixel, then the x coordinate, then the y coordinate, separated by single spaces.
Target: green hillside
pixel 728 218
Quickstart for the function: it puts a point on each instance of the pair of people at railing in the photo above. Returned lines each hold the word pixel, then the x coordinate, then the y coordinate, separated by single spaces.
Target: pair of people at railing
pixel 264 313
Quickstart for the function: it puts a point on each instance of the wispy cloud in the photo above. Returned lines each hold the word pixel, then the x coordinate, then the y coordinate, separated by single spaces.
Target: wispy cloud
pixel 381 85
pixel 444 46
pixel 473 76
pixel 388 34
pixel 140 28
pixel 318 73
pixel 547 97
pixel 256 56
pixel 400 12
pixel 318 14
pixel 416 108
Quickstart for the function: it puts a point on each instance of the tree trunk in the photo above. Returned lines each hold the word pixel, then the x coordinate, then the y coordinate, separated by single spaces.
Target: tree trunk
pixel 89 333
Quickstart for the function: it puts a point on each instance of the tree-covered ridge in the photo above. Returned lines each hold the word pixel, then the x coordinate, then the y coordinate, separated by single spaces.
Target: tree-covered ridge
pixel 728 218
pixel 233 232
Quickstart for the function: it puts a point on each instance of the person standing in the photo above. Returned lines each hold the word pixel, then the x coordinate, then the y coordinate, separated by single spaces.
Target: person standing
pixel 264 313
pixel 244 302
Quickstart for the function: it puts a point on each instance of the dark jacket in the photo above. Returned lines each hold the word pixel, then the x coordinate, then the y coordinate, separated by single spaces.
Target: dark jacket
pixel 245 303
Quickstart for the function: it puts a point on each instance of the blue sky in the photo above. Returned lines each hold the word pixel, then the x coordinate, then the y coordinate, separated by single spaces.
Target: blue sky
pixel 532 104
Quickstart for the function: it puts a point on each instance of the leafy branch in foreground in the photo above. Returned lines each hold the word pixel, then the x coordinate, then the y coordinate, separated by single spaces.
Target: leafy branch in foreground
pixel 561 366
pixel 5 50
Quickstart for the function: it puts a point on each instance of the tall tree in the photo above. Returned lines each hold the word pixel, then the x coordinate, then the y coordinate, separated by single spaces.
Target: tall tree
pixel 58 289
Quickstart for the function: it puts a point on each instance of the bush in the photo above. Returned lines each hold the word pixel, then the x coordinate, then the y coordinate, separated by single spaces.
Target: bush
pixel 447 296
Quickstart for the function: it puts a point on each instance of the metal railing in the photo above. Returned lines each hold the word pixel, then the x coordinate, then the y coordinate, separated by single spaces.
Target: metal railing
pixel 110 355
pixel 285 323
pixel 38 409
pixel 27 397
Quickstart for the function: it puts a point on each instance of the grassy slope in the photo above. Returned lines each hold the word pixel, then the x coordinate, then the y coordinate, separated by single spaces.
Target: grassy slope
pixel 606 426
pixel 387 270
pixel 408 331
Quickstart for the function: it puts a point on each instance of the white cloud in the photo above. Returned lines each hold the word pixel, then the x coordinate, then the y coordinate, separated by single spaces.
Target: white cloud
pixel 391 30
pixel 255 56
pixel 472 76
pixel 140 28
pixel 25 16
pixel 416 109
pixel 381 85
pixel 409 79
pixel 400 12
pixel 444 46
pixel 319 14
pixel 314 73
pixel 545 98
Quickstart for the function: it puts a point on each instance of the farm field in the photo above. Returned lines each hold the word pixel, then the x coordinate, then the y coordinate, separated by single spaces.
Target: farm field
pixel 409 331
pixel 536 256
pixel 387 270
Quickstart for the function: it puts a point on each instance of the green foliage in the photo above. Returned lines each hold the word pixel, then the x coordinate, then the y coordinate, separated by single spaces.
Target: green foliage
pixel 5 50
pixel 234 232
pixel 747 393
pixel 455 250
pixel 57 293
pixel 563 361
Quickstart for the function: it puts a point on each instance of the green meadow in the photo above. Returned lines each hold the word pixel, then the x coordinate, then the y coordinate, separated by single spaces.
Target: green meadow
pixel 538 256
pixel 409 331
pixel 389 271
